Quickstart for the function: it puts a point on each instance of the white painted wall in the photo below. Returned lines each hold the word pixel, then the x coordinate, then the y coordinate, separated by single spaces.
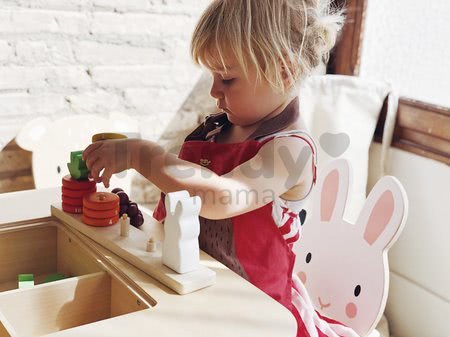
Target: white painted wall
pixel 62 57
pixel 406 42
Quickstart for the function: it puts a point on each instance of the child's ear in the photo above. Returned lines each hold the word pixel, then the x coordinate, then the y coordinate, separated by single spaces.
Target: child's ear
pixel 288 79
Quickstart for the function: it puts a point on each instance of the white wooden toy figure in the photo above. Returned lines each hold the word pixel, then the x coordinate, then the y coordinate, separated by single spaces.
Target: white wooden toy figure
pixel 124 225
pixel 180 249
pixel 342 266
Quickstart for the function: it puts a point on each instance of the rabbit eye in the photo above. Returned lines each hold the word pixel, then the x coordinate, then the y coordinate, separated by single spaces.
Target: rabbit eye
pixel 302 216
pixel 58 169
pixel 308 258
pixel 357 290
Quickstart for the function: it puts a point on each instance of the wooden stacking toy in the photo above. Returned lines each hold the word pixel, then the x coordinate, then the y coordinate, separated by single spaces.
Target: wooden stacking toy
pixel 101 209
pixel 77 185
pixel 73 191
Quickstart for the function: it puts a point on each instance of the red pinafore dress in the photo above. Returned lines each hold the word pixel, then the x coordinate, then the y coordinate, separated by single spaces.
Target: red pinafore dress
pixel 251 244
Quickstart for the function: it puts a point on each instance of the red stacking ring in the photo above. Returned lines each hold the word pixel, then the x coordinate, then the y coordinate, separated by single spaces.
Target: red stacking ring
pixel 73 184
pixel 72 209
pixel 72 201
pixel 77 193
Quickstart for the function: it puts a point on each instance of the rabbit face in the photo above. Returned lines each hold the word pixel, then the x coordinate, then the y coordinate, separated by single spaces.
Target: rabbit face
pixel 344 266
pixel 350 289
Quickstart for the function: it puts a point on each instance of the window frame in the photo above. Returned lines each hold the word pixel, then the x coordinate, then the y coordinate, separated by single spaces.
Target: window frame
pixel 421 128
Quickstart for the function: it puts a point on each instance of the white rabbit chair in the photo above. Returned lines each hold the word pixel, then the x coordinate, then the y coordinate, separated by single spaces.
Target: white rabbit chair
pixel 51 142
pixel 344 266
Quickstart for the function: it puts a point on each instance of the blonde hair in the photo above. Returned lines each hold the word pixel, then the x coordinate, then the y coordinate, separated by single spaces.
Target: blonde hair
pixel 293 34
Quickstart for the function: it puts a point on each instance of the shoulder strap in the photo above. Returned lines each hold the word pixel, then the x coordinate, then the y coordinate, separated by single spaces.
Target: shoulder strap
pixel 288 116
pixel 210 123
pixel 300 134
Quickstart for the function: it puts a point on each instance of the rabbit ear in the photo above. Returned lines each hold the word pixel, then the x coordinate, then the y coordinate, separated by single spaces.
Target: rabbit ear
pixel 32 133
pixel 332 191
pixel 188 207
pixel 172 199
pixel 124 124
pixel 384 214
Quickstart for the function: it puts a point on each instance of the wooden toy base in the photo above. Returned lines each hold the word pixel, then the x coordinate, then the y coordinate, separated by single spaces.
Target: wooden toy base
pixel 133 249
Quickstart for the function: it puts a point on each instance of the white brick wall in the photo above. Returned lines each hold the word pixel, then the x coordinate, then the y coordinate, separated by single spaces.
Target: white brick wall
pixel 60 57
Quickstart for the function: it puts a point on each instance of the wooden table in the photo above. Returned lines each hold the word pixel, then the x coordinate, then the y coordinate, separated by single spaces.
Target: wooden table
pixel 230 307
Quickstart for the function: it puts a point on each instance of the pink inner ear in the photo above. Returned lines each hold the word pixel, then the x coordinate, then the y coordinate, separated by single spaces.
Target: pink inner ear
pixel 379 218
pixel 329 195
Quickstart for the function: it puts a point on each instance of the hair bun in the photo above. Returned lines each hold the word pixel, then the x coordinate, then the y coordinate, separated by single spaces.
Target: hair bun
pixel 324 25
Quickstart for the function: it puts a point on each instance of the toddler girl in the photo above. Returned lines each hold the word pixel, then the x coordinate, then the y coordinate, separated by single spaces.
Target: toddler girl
pixel 252 164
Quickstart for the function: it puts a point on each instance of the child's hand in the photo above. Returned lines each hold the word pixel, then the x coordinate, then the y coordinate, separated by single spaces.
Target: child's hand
pixel 111 155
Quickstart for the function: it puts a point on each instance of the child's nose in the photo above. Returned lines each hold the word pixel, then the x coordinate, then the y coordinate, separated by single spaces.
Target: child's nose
pixel 216 90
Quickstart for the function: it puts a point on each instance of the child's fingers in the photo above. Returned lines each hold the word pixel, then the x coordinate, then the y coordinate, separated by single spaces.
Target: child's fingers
pixel 106 177
pixel 91 161
pixel 96 168
pixel 87 151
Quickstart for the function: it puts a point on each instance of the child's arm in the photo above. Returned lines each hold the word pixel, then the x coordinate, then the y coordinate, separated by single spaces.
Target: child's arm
pixel 279 165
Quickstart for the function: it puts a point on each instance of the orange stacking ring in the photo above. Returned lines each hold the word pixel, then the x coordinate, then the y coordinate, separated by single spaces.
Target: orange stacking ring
pixel 100 214
pixel 99 222
pixel 101 209
pixel 77 193
pixel 72 209
pixel 101 201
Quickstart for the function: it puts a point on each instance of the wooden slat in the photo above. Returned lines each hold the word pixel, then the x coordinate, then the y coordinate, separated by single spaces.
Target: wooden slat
pixel 15 169
pixel 14 160
pixel 16 184
pixel 421 128
pixel 424 152
pixel 345 57
pixel 424 118
pixel 438 145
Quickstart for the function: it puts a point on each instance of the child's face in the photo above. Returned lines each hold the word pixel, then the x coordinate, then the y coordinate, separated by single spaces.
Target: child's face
pixel 245 101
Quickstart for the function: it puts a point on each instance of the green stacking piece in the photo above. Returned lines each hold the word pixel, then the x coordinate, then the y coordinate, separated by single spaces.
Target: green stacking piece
pixel 26 281
pixel 77 166
pixel 54 277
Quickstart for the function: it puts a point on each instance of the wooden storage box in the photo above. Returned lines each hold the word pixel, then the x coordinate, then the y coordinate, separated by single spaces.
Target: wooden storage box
pixel 88 294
